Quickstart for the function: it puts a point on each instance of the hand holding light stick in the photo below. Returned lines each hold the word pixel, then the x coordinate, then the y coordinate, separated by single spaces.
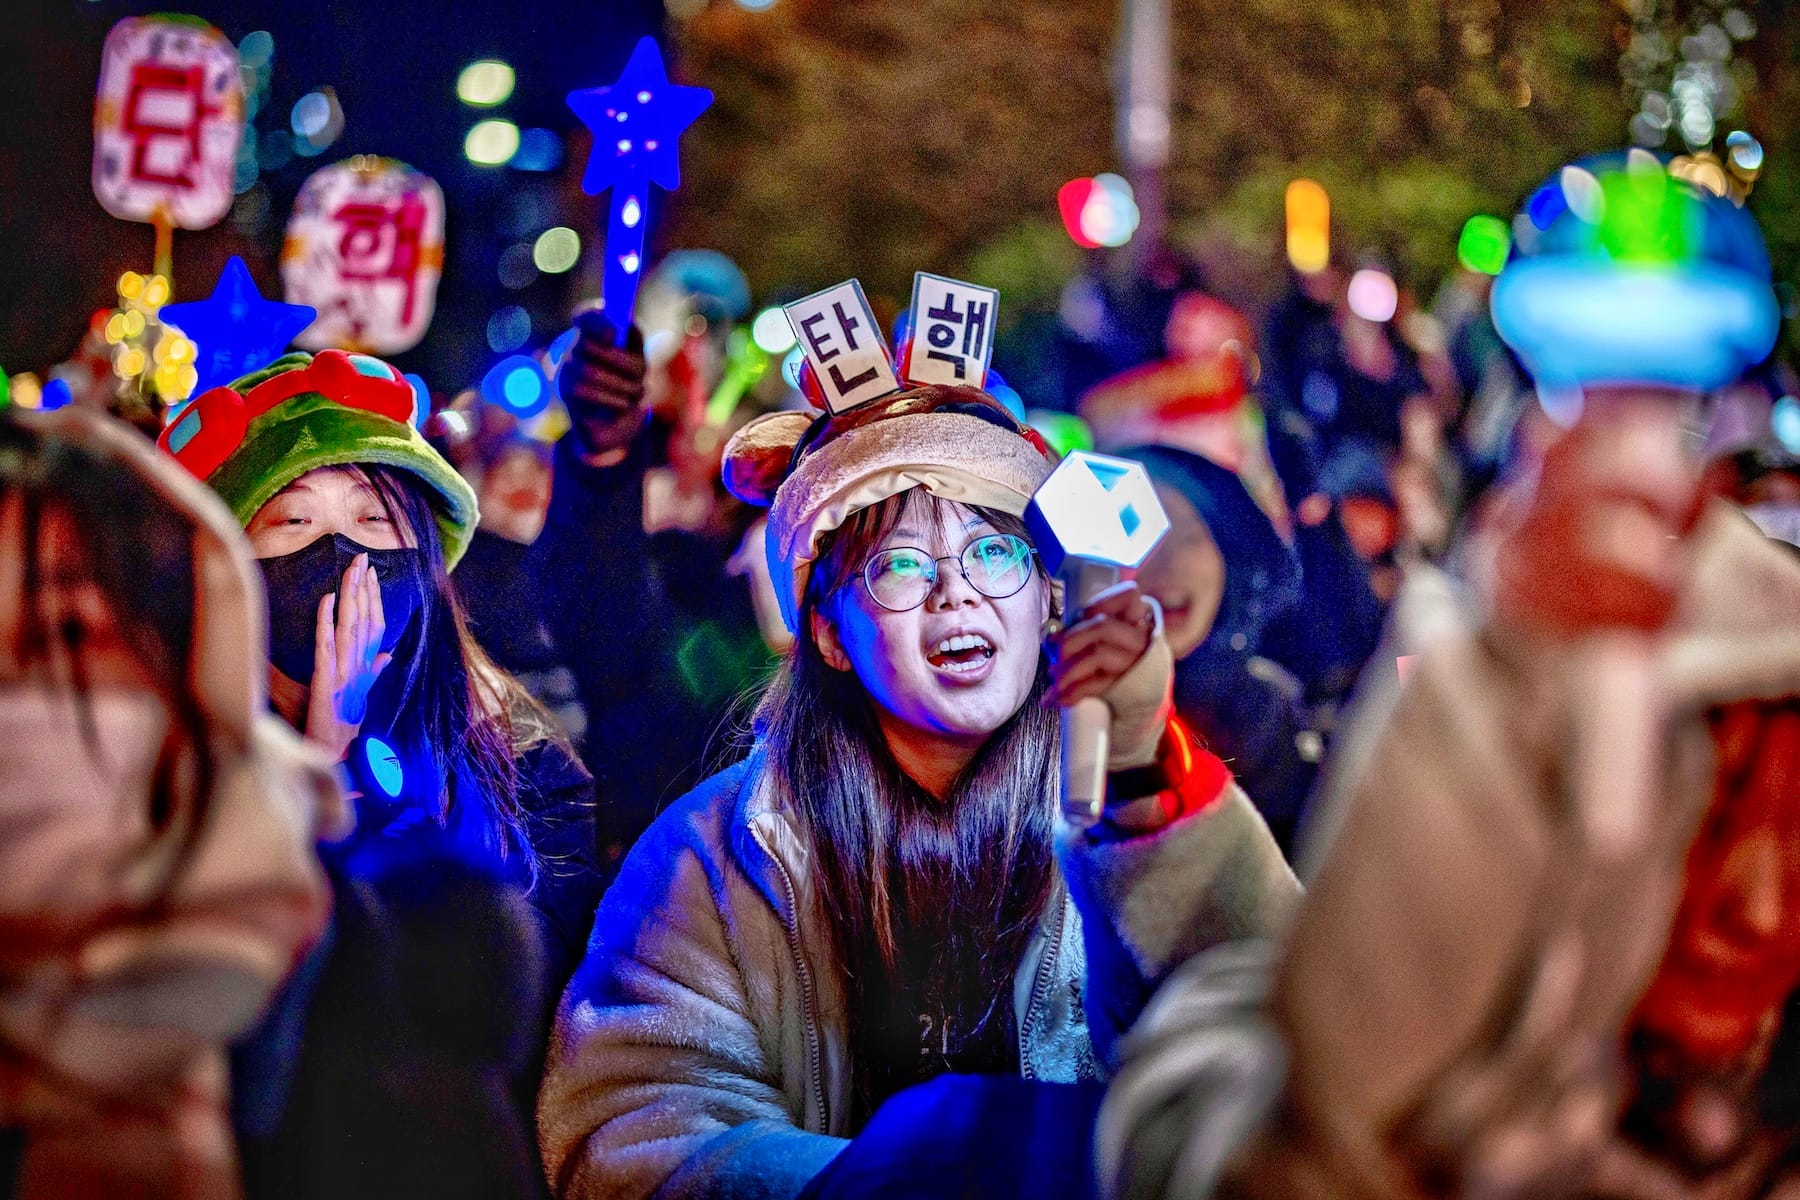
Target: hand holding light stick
pixel 1094 518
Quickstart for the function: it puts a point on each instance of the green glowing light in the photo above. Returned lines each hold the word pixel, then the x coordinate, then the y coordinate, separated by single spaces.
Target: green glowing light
pixel 1484 244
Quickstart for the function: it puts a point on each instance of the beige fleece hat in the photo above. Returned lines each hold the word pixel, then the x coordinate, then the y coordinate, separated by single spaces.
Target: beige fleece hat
pixel 813 470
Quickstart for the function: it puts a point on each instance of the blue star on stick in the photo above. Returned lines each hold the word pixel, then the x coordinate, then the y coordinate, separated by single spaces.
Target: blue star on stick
pixel 636 123
pixel 235 331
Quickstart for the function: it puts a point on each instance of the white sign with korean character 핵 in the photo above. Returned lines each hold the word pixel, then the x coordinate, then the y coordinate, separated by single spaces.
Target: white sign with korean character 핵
pixel 842 343
pixel 953 331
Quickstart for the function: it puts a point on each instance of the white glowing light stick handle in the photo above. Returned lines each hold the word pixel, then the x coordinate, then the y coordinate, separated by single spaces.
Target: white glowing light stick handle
pixel 1086 724
pixel 1092 518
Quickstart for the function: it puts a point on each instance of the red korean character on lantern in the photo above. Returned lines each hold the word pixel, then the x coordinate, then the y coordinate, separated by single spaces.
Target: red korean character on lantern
pixel 365 246
pixel 168 119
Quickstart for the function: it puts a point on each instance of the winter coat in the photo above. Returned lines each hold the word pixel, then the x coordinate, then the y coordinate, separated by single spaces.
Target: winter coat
pixel 1501 858
pixel 403 1057
pixel 702 1049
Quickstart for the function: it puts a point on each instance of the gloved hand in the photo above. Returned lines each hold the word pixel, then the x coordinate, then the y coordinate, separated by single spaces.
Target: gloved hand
pixel 1117 652
pixel 603 387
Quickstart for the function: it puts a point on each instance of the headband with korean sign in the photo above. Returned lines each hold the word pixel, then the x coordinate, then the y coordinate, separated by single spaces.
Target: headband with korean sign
pixel 949 340
pixel 952 337
pixel 846 357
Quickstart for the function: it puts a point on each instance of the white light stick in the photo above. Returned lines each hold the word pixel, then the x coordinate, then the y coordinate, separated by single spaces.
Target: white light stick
pixel 1093 518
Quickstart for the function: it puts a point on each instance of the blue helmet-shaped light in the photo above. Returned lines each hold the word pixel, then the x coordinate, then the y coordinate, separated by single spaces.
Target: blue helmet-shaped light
pixel 1624 273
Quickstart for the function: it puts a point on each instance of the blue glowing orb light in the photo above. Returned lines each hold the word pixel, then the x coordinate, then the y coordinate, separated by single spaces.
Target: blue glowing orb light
pixel 1638 277
pixel 517 384
pixel 235 331
pixel 1784 422
pixel 636 123
pixel 380 767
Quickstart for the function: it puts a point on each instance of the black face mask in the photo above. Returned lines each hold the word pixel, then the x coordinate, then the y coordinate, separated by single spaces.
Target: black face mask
pixel 297 582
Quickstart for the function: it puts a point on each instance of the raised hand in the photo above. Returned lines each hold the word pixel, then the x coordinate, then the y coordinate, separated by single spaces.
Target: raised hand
pixel 347 659
pixel 603 386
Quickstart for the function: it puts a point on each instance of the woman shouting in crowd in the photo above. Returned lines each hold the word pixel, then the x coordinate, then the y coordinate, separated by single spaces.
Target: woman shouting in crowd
pixel 877 895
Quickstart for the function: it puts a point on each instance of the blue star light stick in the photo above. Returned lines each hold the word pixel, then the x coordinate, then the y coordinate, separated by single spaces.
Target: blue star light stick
pixel 235 331
pixel 635 122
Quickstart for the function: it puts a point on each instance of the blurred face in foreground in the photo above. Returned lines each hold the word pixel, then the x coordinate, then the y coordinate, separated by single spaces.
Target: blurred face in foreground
pixel 1734 952
pixel 74 633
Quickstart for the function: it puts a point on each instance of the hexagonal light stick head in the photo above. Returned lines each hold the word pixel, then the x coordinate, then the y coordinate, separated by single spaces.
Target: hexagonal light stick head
pixel 1097 509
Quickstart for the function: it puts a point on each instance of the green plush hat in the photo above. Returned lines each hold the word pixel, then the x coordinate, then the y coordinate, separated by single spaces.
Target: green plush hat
pixel 303 412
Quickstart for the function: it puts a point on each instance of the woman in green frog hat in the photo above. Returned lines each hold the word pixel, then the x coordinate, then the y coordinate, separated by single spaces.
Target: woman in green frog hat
pixel 356 522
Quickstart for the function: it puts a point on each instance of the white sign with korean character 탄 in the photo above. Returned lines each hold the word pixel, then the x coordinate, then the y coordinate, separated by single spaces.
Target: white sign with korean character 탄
pixel 843 345
pixel 953 331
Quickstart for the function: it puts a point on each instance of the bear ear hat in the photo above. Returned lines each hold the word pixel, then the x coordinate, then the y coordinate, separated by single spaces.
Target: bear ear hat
pixel 758 455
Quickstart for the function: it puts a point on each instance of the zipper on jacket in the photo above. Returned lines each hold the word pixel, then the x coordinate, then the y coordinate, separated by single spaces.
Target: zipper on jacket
pixel 1039 982
pixel 791 927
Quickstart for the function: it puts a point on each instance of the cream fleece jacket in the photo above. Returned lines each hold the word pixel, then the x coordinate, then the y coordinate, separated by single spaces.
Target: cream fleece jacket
pixel 701 1050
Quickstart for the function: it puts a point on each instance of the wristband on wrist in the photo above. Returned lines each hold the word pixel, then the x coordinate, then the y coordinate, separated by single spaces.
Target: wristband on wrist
pixel 1185 778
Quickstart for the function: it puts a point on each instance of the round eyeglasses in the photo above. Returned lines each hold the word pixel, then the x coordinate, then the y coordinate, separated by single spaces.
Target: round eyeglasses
pixel 997 565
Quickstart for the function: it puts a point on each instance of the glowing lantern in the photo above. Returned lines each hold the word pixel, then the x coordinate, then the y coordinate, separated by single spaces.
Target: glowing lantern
pixel 365 247
pixel 168 117
pixel 1308 226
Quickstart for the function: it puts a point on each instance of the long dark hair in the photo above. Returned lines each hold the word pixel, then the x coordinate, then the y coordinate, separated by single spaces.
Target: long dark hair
pixel 932 901
pixel 454 711
pixel 137 549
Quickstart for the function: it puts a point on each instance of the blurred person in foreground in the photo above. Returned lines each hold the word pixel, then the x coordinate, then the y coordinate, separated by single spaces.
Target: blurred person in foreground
pixel 157 880
pixel 1551 942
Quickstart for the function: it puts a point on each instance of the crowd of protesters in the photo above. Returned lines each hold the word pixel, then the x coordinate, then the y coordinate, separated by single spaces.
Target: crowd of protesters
pixel 694 828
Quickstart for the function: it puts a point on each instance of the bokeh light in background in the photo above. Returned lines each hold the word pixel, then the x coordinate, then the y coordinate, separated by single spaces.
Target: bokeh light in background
pixel 1785 421
pixel 485 83
pixel 1101 211
pixel 556 250
pixel 1372 295
pixel 256 49
pixel 508 329
pixel 773 332
pixel 1308 226
pixel 517 384
pixel 1484 244
pixel 539 150
pixel 517 270
pixel 317 120
pixel 491 143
